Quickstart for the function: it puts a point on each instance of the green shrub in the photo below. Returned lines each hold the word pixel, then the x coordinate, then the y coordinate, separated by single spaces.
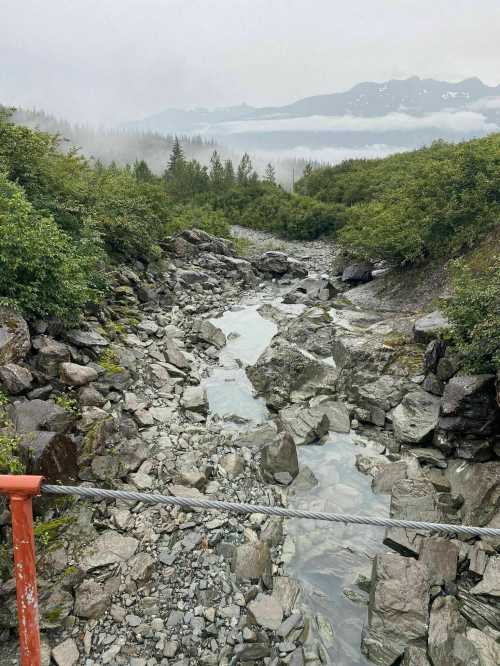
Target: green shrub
pixel 42 271
pixel 199 217
pixel 474 312
pixel 10 463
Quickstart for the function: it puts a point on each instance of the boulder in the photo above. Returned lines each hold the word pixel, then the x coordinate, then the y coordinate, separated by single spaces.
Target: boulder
pixel 266 611
pixel 51 455
pixel 479 484
pixel 357 273
pixel 279 457
pixel 304 424
pixel 204 330
pixel 311 331
pixel 40 415
pixel 415 656
pixel 486 649
pixel 278 263
pixel 469 405
pixel 109 548
pixel 252 561
pixel 434 351
pixel 398 609
pixel 81 338
pixel 175 355
pixel 73 374
pixel 51 354
pixel 416 418
pixel 384 393
pixel 336 413
pixel 282 370
pixel 91 601
pixel 440 556
pixel 15 339
pixel 195 399
pixel 430 326
pixel 258 437
pixel 311 289
pixel 15 378
pixel 449 365
pixel 66 653
pixel 490 584
pixel 446 630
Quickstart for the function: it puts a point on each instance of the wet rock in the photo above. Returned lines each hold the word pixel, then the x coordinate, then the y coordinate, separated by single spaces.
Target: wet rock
pixel 357 273
pixel 195 399
pixel 491 579
pixel 109 548
pixel 430 326
pixel 446 629
pixel 469 405
pixel 40 415
pixel 51 455
pixel 416 418
pixel 440 556
pixel 15 378
pixel 278 263
pixel 81 338
pixel 415 656
pixel 266 611
pixel 15 339
pixel 66 653
pixel 91 601
pixel 51 353
pixel 304 481
pixel 252 561
pixel 279 457
pixel 398 609
pixel 73 374
pixel 305 425
pixel 282 369
pixel 207 332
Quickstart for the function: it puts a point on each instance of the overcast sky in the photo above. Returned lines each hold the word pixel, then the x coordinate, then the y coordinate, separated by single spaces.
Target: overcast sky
pixel 105 61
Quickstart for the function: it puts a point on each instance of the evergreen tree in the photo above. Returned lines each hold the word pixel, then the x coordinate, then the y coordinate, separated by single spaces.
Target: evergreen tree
pixel 142 172
pixel 216 172
pixel 270 174
pixel 244 170
pixel 308 169
pixel 176 159
pixel 228 174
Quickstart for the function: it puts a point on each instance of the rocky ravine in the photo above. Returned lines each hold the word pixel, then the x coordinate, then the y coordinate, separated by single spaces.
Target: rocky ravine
pixel 122 404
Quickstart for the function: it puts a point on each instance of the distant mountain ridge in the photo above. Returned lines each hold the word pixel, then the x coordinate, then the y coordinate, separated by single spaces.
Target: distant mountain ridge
pixel 413 96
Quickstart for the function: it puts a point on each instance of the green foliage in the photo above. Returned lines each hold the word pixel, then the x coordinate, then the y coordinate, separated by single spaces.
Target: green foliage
pixel 474 312
pixel 42 270
pixel 47 532
pixel 109 361
pixel 10 463
pixel 68 403
pixel 201 217
pixel 4 400
pixel 432 202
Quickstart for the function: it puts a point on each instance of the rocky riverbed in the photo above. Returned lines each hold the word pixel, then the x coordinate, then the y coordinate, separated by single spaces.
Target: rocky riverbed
pixel 257 380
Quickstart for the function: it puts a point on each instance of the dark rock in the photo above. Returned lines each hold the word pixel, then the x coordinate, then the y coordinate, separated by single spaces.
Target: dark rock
pixel 449 365
pixel 432 384
pixel 281 456
pixel 440 556
pixel 469 405
pixel 81 338
pixel 251 651
pixel 398 609
pixel 278 263
pixel 41 415
pixel 51 455
pixel 51 354
pixel 15 339
pixel 312 289
pixel 15 378
pixel 305 425
pixel 89 396
pixel 434 352
pixel 357 273
pixel 207 332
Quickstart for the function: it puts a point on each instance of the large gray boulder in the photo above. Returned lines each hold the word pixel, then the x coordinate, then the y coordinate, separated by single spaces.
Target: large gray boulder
pixel 15 378
pixel 204 330
pixel 51 354
pixel 398 610
pixel 258 437
pixel 430 326
pixel 380 396
pixel 416 418
pixel 469 405
pixel 357 273
pixel 73 374
pixel 15 339
pixel 81 338
pixel 195 399
pixel 446 633
pixel 304 424
pixel 440 556
pixel 252 561
pixel 110 547
pixel 490 584
pixel 280 457
pixel 283 370
pixel 40 415
pixel 278 263
pixel 311 289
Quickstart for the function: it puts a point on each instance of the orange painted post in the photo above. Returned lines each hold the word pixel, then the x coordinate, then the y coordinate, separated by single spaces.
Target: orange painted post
pixel 21 490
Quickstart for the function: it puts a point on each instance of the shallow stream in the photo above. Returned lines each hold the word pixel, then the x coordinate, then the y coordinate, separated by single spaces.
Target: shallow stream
pixel 326 558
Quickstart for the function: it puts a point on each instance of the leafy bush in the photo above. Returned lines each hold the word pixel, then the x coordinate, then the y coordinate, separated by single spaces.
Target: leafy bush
pixel 474 312
pixel 10 463
pixel 201 217
pixel 42 271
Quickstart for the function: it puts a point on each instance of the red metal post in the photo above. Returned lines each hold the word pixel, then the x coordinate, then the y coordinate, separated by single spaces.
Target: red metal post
pixel 21 490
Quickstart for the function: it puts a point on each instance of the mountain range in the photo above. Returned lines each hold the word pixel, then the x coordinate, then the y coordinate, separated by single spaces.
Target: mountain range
pixel 389 116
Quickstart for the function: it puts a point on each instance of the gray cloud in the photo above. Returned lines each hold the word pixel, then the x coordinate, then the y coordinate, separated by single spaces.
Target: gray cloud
pixel 113 60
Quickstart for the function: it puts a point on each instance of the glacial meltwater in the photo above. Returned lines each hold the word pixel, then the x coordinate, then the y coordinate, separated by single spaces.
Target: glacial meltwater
pixel 332 562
